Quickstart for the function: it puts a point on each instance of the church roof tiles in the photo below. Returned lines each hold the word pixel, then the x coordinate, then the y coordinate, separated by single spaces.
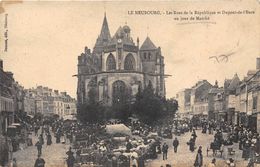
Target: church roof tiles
pixel 148 45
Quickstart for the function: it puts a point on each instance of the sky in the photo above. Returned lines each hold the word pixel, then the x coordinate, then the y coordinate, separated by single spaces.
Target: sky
pixel 45 39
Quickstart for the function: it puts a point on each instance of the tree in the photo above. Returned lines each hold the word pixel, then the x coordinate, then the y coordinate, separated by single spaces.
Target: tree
pixel 92 111
pixel 150 108
pixel 171 105
pixel 122 111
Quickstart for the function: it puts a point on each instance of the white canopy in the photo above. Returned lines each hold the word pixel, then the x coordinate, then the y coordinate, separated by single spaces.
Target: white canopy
pixel 118 128
pixel 69 117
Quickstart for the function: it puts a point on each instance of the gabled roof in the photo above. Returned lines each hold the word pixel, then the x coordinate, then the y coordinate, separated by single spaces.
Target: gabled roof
pixel 200 83
pixel 234 82
pixel 148 45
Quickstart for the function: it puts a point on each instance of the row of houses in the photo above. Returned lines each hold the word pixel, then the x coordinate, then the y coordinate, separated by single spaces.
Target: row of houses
pixel 10 98
pixel 15 101
pixel 236 102
pixel 48 102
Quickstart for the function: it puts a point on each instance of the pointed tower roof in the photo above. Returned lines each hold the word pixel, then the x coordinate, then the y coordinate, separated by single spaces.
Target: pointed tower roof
pixel 104 33
pixel 148 45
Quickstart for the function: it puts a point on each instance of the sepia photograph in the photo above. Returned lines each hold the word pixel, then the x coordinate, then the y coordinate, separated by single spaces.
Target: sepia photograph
pixel 130 83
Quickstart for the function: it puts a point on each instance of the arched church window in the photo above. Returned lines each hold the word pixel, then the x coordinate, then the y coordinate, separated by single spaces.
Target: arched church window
pixel 111 63
pixel 119 92
pixel 129 62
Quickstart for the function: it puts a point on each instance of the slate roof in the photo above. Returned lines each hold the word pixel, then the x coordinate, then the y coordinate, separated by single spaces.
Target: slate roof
pixel 104 34
pixel 148 45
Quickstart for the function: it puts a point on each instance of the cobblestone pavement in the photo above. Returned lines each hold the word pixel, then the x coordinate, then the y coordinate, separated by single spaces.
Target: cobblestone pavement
pixel 185 158
pixel 54 155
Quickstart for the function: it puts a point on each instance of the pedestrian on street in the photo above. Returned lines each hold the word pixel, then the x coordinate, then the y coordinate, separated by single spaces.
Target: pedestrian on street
pixel 39 162
pixel 71 158
pixel 39 147
pixel 58 135
pixel 41 139
pixel 194 135
pixel 191 143
pixel 175 144
pixel 199 158
pixel 212 163
pixel 49 139
pixel 165 151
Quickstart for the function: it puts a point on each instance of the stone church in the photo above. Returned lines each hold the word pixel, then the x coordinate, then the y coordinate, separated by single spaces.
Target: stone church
pixel 118 66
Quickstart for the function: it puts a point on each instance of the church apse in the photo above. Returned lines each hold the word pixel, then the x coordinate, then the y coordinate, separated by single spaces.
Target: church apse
pixel 119 66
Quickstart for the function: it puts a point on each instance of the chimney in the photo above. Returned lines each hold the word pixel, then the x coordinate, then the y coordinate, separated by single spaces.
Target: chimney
pixel 258 63
pixel 1 64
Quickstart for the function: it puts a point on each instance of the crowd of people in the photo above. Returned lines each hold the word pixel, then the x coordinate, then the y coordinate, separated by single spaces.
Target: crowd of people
pixel 90 144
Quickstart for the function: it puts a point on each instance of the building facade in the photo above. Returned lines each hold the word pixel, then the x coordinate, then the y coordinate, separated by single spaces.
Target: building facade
pixel 183 98
pixel 48 102
pixel 117 67
pixel 194 101
pixel 7 101
pixel 199 98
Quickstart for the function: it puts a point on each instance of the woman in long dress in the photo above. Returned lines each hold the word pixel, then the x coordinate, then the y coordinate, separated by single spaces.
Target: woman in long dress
pixel 199 158
pixel 49 139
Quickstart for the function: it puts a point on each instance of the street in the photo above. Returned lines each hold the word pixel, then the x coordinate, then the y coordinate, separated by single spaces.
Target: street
pixel 54 155
pixel 184 157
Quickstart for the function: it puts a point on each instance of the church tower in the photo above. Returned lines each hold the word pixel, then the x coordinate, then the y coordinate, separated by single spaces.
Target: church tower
pixel 153 66
pixel 103 38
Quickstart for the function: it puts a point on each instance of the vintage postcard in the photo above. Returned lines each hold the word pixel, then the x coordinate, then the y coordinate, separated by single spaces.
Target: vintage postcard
pixel 130 84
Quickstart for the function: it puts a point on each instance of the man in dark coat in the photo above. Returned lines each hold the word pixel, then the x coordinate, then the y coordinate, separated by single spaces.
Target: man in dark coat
pixel 39 147
pixel 41 139
pixel 71 158
pixel 192 144
pixel 58 135
pixel 165 151
pixel 39 162
pixel 175 144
